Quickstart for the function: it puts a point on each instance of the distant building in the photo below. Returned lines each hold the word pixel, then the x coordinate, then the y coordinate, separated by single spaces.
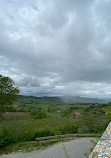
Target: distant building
pixel 76 114
pixel 58 111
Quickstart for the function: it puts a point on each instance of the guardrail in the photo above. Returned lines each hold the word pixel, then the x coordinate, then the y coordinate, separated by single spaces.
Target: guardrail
pixel 103 147
pixel 64 136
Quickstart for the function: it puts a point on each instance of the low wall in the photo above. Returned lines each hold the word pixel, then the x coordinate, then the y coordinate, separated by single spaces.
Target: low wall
pixel 103 147
pixel 64 136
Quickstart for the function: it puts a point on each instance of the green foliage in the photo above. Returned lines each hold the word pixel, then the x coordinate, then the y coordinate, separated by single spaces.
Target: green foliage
pixel 38 123
pixel 70 126
pixel 27 130
pixel 38 114
pixel 5 137
pixel 26 146
pixel 8 92
pixel 34 112
pixel 108 111
pixel 92 124
pixel 65 113
pixel 1 117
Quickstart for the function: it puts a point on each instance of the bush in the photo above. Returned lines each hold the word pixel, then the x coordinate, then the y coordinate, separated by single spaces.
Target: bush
pixel 1 116
pixel 6 138
pixel 43 133
pixel 38 114
pixel 28 130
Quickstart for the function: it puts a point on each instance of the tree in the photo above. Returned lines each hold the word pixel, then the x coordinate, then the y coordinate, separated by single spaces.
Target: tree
pixel 8 92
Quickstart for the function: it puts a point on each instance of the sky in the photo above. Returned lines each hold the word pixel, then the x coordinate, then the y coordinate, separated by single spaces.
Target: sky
pixel 57 47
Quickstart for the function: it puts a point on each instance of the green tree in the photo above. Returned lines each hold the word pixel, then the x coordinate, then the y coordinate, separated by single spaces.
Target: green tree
pixel 8 92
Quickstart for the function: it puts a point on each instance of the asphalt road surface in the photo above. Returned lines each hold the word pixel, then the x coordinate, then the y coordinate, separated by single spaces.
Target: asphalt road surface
pixel 74 148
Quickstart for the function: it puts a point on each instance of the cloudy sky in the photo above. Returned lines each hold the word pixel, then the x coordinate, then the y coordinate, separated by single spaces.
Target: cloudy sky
pixel 57 47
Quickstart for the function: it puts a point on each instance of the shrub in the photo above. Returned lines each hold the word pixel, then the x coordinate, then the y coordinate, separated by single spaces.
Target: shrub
pixel 6 138
pixel 38 114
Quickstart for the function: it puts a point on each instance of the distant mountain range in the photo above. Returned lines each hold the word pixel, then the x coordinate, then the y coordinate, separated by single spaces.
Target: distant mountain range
pixel 78 99
pixel 71 99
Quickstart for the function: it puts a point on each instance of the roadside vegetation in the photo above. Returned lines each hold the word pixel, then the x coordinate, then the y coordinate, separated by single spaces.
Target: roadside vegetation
pixel 30 117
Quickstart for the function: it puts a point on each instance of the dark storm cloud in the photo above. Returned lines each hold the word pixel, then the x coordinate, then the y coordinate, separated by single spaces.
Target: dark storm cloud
pixel 57 46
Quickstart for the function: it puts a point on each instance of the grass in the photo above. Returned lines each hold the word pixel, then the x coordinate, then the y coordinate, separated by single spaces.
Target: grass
pixel 55 115
pixel 31 145
pixel 22 128
pixel 27 130
pixel 26 146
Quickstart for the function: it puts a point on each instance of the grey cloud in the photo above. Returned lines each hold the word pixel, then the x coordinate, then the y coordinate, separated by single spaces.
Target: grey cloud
pixel 27 81
pixel 56 47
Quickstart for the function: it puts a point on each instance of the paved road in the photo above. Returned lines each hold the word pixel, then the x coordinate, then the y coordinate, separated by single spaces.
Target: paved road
pixel 75 149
